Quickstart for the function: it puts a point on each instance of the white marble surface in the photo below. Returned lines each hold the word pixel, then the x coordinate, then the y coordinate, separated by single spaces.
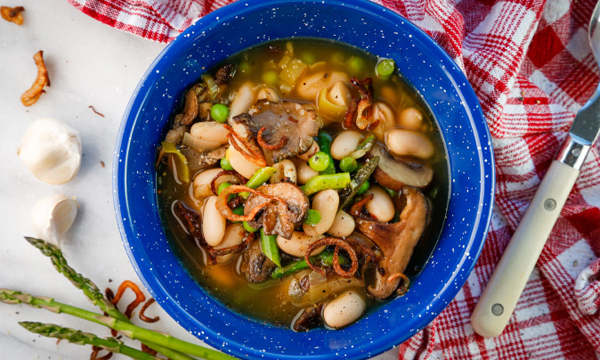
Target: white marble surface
pixel 89 64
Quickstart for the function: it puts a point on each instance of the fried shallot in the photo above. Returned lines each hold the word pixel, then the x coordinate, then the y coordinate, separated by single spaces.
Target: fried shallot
pixel 142 313
pixel 262 142
pixel 245 147
pixel 12 14
pixel 32 95
pixel 213 183
pixel 139 297
pixel 339 244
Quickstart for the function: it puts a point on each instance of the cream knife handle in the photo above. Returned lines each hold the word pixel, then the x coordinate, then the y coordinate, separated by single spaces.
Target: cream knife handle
pixel 502 293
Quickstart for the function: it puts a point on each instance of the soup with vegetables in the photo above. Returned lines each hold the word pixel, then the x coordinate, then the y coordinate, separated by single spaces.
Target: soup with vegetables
pixel 302 183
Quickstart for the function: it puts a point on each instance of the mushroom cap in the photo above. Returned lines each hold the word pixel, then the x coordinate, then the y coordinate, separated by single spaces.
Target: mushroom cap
pixel 284 119
pixel 279 218
pixel 396 241
pixel 395 174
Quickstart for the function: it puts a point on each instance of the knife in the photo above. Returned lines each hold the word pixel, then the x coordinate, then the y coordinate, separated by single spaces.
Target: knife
pixel 502 293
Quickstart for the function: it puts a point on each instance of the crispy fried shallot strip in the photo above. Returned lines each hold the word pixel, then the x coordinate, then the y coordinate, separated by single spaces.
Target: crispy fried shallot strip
pixel 12 14
pixel 228 214
pixel 96 350
pixel 142 313
pixel 339 243
pixel 32 95
pixel 262 142
pixel 366 250
pixel 357 209
pixel 148 350
pixel 405 282
pixel 350 112
pixel 139 297
pixel 213 183
pixel 95 111
pixel 251 152
pixel 364 109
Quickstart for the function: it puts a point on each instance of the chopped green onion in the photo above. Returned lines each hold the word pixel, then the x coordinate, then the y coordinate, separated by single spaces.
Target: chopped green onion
pixel 319 161
pixel 248 228
pixel 324 182
pixel 219 113
pixel 313 218
pixel 225 164
pixel 385 68
pixel 348 164
pixel 268 244
pixel 213 88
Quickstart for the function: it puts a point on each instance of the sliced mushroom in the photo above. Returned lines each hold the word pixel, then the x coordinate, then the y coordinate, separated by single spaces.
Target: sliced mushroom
pixel 308 319
pixel 395 174
pixel 282 216
pixel 396 241
pixel 255 265
pixel 289 127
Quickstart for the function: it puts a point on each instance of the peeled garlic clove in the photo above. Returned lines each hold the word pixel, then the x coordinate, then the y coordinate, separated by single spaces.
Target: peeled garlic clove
pixel 53 216
pixel 51 150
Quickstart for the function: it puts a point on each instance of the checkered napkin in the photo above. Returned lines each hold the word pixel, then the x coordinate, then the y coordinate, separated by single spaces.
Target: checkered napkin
pixel 532 69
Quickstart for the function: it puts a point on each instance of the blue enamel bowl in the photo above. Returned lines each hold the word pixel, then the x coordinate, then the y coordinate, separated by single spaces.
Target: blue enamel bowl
pixel 365 25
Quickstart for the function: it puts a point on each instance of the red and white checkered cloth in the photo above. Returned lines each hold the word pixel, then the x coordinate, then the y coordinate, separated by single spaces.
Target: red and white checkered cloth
pixel 532 69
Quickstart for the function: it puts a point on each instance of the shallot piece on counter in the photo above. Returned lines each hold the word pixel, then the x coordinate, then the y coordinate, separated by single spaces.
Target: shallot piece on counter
pixel 51 150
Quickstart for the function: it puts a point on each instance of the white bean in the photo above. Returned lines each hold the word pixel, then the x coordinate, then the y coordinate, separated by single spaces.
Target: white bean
pixel 344 310
pixel 240 164
pixel 381 206
pixel 326 202
pixel 202 182
pixel 314 148
pixel 410 118
pixel 286 171
pixel 298 244
pixel 409 143
pixel 385 115
pixel 343 225
pixel 213 224
pixel 244 98
pixel 210 131
pixel 304 172
pixel 345 143
pixel 234 235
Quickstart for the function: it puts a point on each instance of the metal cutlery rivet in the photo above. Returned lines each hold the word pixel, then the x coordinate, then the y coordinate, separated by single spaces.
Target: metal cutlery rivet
pixel 497 309
pixel 549 204
pixel 576 152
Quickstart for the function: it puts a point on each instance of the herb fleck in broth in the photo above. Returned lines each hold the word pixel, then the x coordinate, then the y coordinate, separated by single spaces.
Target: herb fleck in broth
pixel 268 301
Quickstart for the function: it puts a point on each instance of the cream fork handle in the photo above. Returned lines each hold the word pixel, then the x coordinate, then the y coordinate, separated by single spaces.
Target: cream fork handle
pixel 502 293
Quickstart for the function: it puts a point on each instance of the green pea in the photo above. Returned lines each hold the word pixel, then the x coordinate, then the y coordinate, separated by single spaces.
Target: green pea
pixel 355 65
pixel 245 67
pixel 348 164
pixel 271 77
pixel 308 58
pixel 219 113
pixel 363 188
pixel 222 187
pixel 248 228
pixel 385 68
pixel 319 161
pixel 313 218
pixel 392 193
pixel 225 164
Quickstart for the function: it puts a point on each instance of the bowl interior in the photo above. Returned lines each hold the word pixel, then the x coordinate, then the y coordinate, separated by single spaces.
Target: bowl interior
pixel 368 26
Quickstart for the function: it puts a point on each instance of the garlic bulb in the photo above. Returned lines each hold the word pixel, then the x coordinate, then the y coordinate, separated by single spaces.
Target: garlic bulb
pixel 51 150
pixel 53 216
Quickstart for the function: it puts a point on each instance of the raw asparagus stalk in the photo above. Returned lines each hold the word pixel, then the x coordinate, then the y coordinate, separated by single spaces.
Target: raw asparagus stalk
pixel 92 292
pixel 130 330
pixel 83 338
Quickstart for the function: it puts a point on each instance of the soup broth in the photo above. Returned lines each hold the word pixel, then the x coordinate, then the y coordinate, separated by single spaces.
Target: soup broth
pixel 269 301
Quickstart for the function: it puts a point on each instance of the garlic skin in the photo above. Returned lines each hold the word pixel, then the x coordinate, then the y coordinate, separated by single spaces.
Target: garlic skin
pixel 52 217
pixel 51 150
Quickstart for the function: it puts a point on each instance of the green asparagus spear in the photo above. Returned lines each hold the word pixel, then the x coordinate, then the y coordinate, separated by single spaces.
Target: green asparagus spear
pixel 82 338
pixel 130 330
pixel 326 259
pixel 91 290
pixel 361 176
